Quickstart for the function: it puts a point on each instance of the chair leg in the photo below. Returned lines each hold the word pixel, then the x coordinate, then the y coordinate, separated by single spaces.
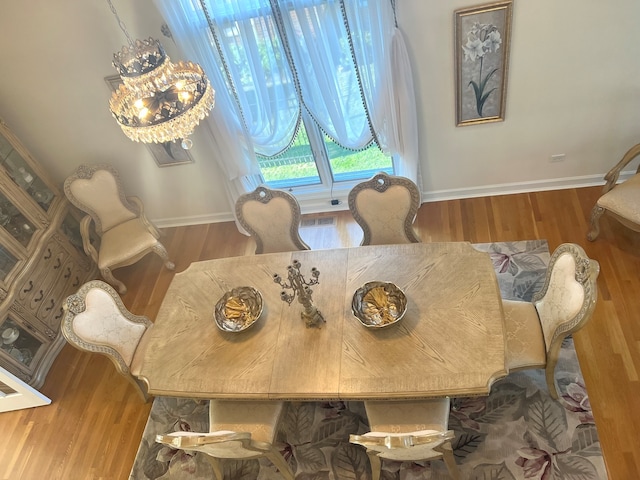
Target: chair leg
pixel 108 276
pixel 594 231
pixel 376 464
pixel 159 250
pixel 216 464
pixel 550 368
pixel 449 460
pixel 280 463
pixel 551 380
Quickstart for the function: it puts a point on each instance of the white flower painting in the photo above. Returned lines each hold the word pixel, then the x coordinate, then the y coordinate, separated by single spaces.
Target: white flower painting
pixel 482 35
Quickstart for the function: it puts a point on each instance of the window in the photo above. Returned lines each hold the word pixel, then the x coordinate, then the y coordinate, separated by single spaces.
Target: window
pixel 298 166
pixel 257 59
pixel 304 89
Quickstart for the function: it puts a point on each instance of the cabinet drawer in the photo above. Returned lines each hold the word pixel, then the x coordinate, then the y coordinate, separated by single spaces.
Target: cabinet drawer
pixel 68 281
pixel 48 279
pixel 44 273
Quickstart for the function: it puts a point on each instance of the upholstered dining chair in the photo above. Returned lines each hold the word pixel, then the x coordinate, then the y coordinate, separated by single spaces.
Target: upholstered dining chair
pixel 535 330
pixel 385 207
pixel 126 235
pixel 272 218
pixel 237 430
pixel 95 320
pixel 620 200
pixel 408 430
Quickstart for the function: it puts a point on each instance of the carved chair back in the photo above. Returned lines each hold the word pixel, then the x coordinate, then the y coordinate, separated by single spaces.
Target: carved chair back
pixel 97 321
pixel 239 430
pixel 568 297
pixel 408 431
pixel 126 233
pixel 97 190
pixel 272 218
pixel 385 207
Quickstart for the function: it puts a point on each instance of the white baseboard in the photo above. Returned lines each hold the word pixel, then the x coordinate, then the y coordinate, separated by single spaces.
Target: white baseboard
pixel 513 188
pixel 322 206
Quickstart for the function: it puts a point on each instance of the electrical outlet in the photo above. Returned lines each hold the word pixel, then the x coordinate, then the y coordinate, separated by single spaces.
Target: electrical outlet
pixel 558 157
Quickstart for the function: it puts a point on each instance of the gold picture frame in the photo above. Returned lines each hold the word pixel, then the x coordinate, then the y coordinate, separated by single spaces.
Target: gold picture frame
pixel 482 40
pixel 165 154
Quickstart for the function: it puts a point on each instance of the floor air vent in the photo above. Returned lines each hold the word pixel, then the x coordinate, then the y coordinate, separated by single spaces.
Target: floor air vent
pixel 318 221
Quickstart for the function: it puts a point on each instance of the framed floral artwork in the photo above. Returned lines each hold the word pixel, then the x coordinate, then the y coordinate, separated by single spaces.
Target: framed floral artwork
pixel 482 37
pixel 165 154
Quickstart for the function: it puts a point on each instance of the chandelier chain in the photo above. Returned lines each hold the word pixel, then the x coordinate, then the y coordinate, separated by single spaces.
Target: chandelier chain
pixel 121 24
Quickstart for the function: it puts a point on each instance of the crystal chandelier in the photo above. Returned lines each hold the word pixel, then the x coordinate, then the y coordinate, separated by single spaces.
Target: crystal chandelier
pixel 158 101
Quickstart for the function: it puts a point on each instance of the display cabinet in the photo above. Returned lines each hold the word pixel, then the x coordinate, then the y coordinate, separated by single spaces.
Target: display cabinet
pixel 41 262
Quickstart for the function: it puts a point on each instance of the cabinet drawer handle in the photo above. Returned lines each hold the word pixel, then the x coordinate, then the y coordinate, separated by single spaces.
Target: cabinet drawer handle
pixel 25 290
pixel 68 274
pixel 29 327
pixel 40 297
pixel 52 304
pixel 76 283
pixel 47 255
pixel 58 263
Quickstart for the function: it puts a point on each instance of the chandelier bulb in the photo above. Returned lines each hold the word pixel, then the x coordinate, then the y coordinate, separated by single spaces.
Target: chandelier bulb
pixel 186 143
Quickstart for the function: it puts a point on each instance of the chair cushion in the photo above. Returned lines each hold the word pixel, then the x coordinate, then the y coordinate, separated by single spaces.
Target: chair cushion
pixel 624 199
pixel 100 194
pixel 524 339
pixel 123 243
pixel 272 222
pixel 563 299
pixel 102 323
pixel 385 213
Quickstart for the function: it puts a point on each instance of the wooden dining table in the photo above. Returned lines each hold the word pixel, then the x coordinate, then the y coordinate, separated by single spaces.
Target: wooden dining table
pixel 450 341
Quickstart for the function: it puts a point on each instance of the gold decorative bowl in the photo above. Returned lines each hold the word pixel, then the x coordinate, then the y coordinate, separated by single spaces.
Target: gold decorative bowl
pixel 238 309
pixel 379 304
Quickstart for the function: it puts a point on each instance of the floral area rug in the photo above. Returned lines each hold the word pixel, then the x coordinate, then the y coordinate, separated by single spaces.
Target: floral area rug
pixel 517 432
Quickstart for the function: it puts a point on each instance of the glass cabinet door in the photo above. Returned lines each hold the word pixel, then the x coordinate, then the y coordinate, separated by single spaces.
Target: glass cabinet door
pixel 71 228
pixel 18 343
pixel 14 222
pixel 23 175
pixel 7 262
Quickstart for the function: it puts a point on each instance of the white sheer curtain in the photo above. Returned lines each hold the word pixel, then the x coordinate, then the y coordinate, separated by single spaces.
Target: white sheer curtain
pixel 318 42
pixel 234 148
pixel 344 61
pixel 244 37
pixel 387 81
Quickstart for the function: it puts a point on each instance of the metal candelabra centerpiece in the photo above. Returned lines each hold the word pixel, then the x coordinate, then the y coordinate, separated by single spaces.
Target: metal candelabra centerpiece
pixel 300 287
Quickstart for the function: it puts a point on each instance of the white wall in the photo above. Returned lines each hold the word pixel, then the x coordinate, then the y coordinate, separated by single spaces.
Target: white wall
pixel 573 89
pixel 54 57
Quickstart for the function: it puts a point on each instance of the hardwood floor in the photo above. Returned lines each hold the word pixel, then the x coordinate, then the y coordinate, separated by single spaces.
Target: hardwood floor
pixel 95 422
